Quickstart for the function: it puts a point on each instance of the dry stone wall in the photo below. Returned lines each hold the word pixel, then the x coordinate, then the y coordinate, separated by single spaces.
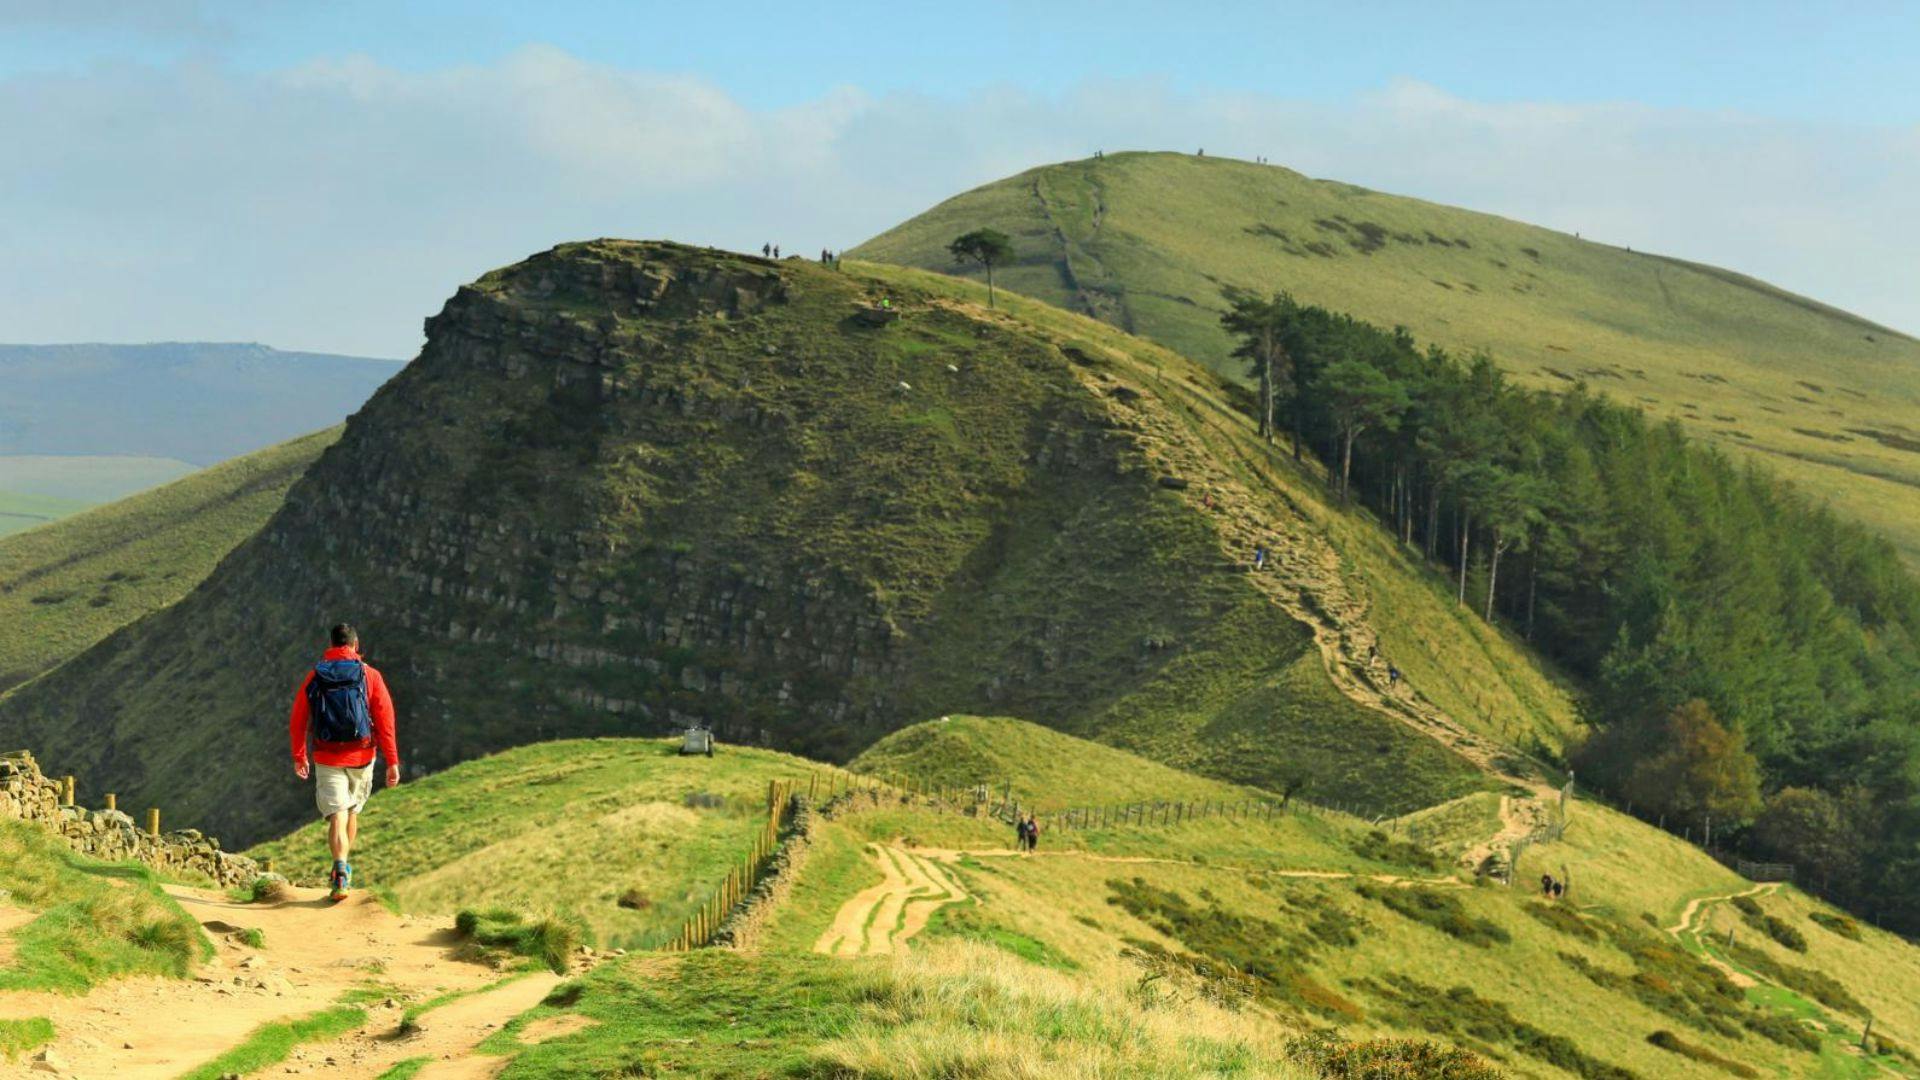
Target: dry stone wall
pixel 110 835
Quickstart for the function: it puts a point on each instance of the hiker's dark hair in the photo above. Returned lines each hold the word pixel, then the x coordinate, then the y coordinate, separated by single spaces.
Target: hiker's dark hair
pixel 343 634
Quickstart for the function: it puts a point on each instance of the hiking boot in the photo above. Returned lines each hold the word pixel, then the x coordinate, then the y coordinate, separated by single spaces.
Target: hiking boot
pixel 340 879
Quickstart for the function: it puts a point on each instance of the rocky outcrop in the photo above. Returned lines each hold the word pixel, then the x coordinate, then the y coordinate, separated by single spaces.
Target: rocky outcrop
pixel 110 835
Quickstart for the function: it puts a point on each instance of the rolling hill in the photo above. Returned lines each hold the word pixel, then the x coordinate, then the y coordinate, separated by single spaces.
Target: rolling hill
pixel 67 585
pixel 1207 947
pixel 1149 241
pixel 629 485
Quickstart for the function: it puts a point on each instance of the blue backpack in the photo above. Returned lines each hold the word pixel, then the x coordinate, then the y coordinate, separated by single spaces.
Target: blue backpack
pixel 337 702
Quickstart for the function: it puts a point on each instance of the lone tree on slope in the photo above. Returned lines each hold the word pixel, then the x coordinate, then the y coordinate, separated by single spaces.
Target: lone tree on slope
pixel 987 247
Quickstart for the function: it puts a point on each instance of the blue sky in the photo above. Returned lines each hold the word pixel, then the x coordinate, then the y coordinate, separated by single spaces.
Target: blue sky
pixel 1854 63
pixel 321 175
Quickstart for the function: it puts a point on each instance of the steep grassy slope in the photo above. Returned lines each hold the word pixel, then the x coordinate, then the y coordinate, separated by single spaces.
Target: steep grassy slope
pixel 1332 565
pixel 630 484
pixel 68 585
pixel 1149 241
pixel 623 836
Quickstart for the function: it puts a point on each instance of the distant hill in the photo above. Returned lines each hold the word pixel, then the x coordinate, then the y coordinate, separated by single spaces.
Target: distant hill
pixel 66 586
pixel 87 424
pixel 1149 241
pixel 630 485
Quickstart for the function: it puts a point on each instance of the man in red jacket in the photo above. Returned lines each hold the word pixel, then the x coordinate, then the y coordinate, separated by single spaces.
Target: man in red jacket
pixel 343 702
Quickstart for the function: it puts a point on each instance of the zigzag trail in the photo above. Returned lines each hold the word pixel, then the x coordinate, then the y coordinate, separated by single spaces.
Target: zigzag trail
pixel 1691 922
pixel 882 918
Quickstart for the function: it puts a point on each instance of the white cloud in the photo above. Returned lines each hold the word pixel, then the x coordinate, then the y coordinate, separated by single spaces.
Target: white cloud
pixel 334 205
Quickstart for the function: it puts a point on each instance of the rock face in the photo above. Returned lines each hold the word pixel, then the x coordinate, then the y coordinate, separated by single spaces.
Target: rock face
pixel 629 486
pixel 27 795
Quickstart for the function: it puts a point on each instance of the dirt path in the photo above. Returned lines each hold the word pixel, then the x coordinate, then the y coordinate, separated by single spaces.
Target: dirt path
pixel 313 952
pixel 1693 921
pixel 1519 819
pixel 447 1035
pixel 883 918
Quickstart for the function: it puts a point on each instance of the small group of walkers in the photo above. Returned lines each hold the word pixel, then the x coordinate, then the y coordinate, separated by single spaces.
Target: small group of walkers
pixel 827 258
pixel 1552 889
pixel 342 716
pixel 1028 831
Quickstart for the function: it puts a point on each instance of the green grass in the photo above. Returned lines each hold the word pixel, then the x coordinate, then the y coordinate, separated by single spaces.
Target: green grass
pixel 547 941
pixel 1047 769
pixel 564 829
pixel 20 511
pixel 270 1044
pixel 1148 242
pixel 67 586
pixel 407 1069
pixel 19 1036
pixel 959 1011
pixel 94 921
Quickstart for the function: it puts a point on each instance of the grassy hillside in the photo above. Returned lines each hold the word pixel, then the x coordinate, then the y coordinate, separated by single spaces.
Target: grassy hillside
pixel 670 484
pixel 66 586
pixel 623 836
pixel 1475 674
pixel 1046 769
pixel 1149 241
pixel 1206 948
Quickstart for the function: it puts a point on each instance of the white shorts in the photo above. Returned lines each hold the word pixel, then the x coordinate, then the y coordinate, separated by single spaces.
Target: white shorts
pixel 336 789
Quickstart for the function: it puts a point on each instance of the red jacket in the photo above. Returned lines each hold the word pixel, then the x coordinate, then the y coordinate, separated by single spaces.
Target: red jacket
pixel 347 755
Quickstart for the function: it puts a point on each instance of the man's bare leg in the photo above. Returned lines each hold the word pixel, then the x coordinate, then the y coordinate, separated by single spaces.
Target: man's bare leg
pixel 353 829
pixel 340 830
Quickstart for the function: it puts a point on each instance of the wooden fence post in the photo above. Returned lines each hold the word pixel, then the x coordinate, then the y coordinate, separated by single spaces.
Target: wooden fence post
pixel 66 791
pixel 113 801
pixel 153 822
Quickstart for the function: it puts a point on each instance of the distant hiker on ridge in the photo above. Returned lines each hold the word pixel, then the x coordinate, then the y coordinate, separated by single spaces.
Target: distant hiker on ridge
pixel 343 702
pixel 1033 833
pixel 766 251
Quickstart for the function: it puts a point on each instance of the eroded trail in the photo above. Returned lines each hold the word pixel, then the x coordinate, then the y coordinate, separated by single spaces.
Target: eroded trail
pixel 1693 921
pixel 313 952
pixel 915 883
pixel 882 918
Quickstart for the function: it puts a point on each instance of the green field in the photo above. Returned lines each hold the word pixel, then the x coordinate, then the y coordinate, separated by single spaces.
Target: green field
pixel 20 512
pixel 1149 241
pixel 87 478
pixel 67 586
